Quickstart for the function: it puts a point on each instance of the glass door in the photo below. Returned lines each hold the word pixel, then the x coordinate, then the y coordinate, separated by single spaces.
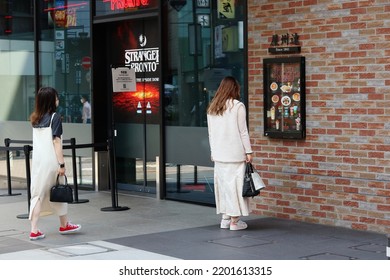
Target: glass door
pixel 204 42
pixel 134 44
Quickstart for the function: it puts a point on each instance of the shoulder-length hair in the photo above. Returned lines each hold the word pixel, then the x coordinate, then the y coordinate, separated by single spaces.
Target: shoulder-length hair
pixel 45 102
pixel 229 88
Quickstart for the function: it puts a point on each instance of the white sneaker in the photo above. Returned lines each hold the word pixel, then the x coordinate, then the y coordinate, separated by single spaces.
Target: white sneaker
pixel 225 223
pixel 239 225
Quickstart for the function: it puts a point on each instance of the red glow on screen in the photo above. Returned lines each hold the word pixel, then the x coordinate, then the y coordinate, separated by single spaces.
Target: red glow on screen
pixel 144 94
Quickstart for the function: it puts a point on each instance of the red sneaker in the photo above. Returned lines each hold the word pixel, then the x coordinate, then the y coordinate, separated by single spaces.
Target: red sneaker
pixel 36 236
pixel 70 228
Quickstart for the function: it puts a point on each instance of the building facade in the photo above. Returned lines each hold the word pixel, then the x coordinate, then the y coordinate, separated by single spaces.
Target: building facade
pixel 314 76
pixel 339 174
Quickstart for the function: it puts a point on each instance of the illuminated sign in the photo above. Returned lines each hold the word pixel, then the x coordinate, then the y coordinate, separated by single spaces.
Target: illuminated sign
pixel 124 4
pixel 143 60
pixel 63 14
pixel 135 46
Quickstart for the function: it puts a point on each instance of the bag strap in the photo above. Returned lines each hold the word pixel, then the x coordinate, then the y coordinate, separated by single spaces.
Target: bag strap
pixel 51 120
pixel 66 179
pixel 249 167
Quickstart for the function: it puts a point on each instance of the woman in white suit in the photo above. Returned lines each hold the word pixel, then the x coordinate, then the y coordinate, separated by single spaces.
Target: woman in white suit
pixel 230 150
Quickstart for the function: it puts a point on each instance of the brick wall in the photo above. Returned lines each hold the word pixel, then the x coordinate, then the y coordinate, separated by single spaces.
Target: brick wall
pixel 339 174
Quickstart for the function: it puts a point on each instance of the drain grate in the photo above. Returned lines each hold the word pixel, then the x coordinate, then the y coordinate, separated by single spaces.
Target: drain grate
pixel 371 247
pixel 80 250
pixel 240 241
pixel 328 256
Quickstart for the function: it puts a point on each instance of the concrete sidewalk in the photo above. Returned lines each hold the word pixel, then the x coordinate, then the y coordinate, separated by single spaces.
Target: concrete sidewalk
pixel 164 230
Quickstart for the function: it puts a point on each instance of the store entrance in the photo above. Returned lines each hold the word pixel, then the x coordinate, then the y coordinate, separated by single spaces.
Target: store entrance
pixel 136 114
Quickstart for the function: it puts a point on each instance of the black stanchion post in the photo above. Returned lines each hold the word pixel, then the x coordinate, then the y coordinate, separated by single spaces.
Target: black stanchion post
pixel 7 143
pixel 76 186
pixel 111 170
pixel 178 172
pixel 388 247
pixel 111 132
pixel 27 149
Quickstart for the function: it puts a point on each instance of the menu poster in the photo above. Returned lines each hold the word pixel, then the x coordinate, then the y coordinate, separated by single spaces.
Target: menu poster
pixel 284 97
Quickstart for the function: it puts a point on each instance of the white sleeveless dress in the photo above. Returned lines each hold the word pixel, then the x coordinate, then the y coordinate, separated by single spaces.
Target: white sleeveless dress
pixel 44 172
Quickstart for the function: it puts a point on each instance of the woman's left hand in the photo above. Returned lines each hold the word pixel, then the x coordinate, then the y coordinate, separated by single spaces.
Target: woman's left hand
pixel 61 171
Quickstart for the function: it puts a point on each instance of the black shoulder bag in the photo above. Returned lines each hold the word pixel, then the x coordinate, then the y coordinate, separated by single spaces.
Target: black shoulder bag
pixel 61 192
pixel 248 189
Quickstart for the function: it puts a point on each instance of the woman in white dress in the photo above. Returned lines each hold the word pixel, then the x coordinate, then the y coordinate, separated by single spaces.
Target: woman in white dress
pixel 47 162
pixel 230 150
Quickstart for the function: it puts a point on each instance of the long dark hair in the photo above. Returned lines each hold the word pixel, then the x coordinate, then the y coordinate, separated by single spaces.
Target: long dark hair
pixel 229 88
pixel 45 102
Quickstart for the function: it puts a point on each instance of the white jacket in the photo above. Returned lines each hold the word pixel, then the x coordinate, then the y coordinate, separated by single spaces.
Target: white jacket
pixel 228 134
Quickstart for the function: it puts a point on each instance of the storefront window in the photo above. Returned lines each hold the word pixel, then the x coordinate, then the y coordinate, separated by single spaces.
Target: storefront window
pixel 204 43
pixel 65 60
pixel 46 43
pixel 65 64
pixel 17 59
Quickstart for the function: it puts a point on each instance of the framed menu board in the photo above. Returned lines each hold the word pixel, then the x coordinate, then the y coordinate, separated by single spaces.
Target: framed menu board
pixel 284 97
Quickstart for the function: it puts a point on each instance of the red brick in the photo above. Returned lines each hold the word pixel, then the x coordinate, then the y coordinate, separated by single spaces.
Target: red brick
pixel 350 5
pixel 327 208
pixel 318 214
pixel 383 222
pixel 282 216
pixel 376 154
pixel 382 31
pixel 351 203
pixel 289 210
pixel 351 218
pixel 304 198
pixel 311 192
pixel 384 208
pixel 358 25
pixel 358 11
pixel 282 202
pixel 359 226
pixel 333 35
pixel 350 189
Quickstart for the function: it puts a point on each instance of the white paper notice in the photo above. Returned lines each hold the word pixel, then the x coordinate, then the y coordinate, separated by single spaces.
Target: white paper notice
pixel 123 79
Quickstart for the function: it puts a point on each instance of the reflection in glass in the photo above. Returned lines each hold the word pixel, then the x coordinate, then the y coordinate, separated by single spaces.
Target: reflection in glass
pixel 16 60
pixel 59 58
pixel 199 55
pixel 65 55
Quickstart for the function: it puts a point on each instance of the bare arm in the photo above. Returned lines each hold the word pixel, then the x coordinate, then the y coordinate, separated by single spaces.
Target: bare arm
pixel 57 142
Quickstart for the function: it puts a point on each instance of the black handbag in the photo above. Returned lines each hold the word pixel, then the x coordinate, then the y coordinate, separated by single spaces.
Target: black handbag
pixel 248 189
pixel 61 192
